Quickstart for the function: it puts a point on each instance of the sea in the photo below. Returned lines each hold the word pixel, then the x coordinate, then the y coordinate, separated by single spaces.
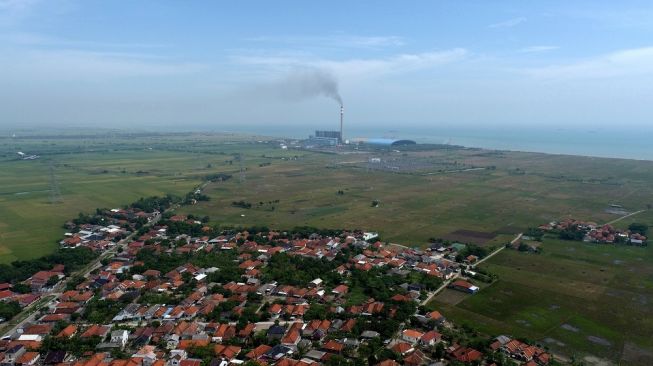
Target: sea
pixel 625 143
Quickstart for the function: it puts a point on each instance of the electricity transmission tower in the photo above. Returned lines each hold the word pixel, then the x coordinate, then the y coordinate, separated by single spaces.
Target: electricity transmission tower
pixel 55 193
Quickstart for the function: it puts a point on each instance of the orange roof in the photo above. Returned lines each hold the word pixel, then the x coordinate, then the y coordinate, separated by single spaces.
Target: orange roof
pixel 341 289
pixel 27 357
pixel 95 330
pixel 41 329
pixel 258 351
pixel 190 362
pixel 348 326
pixel 333 346
pixel 186 343
pixel 247 330
pixel 412 333
pixel 228 352
pixel 95 360
pixel 68 331
pixel 275 309
pixel 402 347
pixel 388 362
pixel 431 335
pixel 134 361
pixel 291 337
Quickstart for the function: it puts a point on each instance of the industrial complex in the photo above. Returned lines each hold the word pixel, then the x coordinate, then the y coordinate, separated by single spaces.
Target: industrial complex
pixel 325 138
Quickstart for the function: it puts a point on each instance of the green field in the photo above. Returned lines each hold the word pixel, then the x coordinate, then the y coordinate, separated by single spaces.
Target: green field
pixel 561 297
pixel 566 295
pixel 503 194
pixel 91 172
pixel 521 191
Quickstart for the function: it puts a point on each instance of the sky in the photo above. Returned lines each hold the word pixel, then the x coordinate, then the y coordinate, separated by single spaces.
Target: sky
pixel 470 64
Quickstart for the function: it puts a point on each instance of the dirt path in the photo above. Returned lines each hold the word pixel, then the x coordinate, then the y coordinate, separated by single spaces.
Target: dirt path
pixel 498 250
pixel 444 285
pixel 623 217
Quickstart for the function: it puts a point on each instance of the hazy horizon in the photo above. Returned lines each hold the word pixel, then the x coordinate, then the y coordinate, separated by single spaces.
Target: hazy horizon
pixel 468 64
pixel 612 142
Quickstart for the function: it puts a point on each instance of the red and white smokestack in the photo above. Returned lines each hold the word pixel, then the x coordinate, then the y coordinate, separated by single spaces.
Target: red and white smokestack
pixel 342 112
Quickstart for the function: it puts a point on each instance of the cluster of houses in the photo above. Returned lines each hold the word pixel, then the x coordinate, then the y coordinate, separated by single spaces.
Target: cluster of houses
pixel 520 351
pixel 38 283
pixel 116 224
pixel 594 233
pixel 266 322
pixel 106 229
pixel 7 294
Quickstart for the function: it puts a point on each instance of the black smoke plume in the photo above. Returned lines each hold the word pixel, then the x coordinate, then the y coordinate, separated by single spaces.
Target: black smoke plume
pixel 309 83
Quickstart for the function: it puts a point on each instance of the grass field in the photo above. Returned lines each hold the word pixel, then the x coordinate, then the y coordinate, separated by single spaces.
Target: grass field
pixel 30 224
pixel 91 173
pixel 521 190
pixel 576 298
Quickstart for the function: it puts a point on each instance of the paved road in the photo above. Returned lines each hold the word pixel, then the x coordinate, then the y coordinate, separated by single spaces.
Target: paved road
pixel 31 311
pixel 84 272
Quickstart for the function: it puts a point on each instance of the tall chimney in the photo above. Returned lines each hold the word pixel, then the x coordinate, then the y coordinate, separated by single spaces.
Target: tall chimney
pixel 342 112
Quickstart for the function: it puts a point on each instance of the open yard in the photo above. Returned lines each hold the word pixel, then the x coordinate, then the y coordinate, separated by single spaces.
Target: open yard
pixel 575 298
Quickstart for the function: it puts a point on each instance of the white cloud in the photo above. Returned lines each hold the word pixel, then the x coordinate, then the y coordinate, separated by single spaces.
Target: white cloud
pixel 359 67
pixel 66 65
pixel 334 40
pixel 509 23
pixel 629 62
pixel 36 39
pixel 538 49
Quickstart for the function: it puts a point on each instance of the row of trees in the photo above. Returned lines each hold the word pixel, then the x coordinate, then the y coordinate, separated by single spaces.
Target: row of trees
pixel 155 203
pixel 472 249
pixel 72 259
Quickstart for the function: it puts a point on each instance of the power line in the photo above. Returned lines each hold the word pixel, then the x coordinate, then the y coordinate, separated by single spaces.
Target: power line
pixel 242 175
pixel 55 193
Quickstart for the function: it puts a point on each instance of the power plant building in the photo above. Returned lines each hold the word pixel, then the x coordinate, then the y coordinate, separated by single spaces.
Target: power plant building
pixel 326 138
pixel 381 142
pixel 328 134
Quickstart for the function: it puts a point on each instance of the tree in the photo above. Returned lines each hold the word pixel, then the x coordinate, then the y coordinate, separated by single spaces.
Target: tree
pixel 21 288
pixel 336 360
pixel 52 281
pixel 9 309
pixel 639 228
pixel 439 350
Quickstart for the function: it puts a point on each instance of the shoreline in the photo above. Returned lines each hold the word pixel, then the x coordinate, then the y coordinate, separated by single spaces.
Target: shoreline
pixel 511 143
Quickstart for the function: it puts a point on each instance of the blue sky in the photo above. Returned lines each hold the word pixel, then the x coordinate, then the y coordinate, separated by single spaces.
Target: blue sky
pixel 402 63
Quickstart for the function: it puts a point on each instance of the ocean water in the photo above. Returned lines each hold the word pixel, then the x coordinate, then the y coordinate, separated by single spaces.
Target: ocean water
pixel 627 142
